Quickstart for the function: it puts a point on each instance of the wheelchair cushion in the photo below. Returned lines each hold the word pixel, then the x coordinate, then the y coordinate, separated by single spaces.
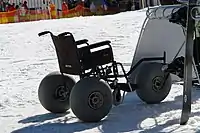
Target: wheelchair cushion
pixel 99 57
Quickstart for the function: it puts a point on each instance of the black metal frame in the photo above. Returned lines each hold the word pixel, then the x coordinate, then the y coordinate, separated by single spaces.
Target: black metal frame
pixel 109 72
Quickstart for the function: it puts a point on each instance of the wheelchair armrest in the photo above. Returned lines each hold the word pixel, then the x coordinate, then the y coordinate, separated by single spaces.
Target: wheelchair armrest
pixel 79 42
pixel 65 33
pixel 99 44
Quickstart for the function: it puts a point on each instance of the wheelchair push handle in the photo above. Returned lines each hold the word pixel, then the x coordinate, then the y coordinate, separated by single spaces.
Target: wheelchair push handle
pixel 44 33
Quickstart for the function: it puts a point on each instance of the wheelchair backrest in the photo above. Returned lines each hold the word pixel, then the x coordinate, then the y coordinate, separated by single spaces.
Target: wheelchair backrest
pixel 66 50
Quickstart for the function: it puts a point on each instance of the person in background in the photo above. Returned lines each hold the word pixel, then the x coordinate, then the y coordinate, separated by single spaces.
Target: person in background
pixel 4 5
pixel 137 5
pixel 87 3
pixel 52 10
pixel 104 5
pixel 12 7
pixel 25 5
pixel 80 3
pixel 20 4
pixel 93 7
pixel 71 4
pixel 44 9
pixel 129 5
pixel 115 3
pixel 8 6
pixel 23 10
pixel 1 6
pixel 17 7
pixel 65 8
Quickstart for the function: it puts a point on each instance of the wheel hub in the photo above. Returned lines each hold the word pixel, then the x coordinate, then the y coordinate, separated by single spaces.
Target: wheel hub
pixel 157 83
pixel 95 100
pixel 61 93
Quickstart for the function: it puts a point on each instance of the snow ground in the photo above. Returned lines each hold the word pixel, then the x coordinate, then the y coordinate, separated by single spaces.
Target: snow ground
pixel 26 58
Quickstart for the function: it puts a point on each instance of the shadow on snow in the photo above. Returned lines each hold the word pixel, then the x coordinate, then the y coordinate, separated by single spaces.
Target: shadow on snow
pixel 125 118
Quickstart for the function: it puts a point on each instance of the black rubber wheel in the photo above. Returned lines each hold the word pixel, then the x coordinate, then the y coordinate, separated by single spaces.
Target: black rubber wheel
pixel 52 93
pixel 151 86
pixel 91 99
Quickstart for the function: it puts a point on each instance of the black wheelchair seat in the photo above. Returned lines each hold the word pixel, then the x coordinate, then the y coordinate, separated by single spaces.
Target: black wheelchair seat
pixel 74 57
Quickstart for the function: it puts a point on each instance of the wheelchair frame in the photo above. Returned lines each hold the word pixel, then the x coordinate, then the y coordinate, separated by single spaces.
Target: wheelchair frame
pixel 109 71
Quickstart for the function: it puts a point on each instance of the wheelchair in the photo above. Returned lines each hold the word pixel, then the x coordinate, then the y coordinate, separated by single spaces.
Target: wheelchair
pixel 98 89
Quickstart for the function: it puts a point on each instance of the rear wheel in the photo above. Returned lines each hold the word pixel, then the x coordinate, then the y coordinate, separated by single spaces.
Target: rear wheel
pixel 54 91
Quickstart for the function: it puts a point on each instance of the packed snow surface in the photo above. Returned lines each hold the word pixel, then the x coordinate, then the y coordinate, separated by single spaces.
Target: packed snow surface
pixel 26 58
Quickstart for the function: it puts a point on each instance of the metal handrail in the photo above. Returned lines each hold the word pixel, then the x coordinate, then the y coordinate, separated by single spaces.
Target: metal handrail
pixel 151 13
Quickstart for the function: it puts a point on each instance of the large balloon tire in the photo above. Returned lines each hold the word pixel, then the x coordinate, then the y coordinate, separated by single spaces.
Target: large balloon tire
pixel 91 99
pixel 52 93
pixel 150 82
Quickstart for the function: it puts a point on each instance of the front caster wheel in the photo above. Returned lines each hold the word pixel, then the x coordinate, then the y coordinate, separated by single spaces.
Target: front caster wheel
pixel 117 97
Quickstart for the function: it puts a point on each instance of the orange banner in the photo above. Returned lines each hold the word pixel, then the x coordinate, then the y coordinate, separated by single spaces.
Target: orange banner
pixel 34 15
